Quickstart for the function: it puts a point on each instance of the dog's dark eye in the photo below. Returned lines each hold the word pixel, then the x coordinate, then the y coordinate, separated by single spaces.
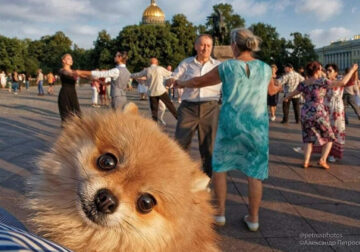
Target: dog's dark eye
pixel 146 203
pixel 107 162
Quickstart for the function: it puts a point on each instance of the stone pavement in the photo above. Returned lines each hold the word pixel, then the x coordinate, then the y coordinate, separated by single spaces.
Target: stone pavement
pixel 299 206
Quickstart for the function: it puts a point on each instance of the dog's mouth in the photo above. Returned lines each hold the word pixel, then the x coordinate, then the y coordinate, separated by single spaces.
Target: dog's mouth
pixel 97 209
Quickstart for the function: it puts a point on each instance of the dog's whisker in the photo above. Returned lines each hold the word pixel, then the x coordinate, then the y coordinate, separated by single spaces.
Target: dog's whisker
pixel 58 176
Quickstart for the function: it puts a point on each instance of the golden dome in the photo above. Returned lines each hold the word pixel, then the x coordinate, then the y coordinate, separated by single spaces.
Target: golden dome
pixel 153 14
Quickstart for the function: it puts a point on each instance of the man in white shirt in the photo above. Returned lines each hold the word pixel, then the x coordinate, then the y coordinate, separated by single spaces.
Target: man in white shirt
pixel 199 108
pixel 290 80
pixel 155 76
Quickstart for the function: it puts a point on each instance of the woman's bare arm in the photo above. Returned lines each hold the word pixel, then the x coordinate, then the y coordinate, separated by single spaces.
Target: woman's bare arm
pixel 291 95
pixel 346 79
pixel 209 79
pixel 83 73
pixel 273 88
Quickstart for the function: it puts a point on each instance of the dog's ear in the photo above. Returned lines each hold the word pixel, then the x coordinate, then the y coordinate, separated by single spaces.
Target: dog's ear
pixel 131 108
pixel 200 182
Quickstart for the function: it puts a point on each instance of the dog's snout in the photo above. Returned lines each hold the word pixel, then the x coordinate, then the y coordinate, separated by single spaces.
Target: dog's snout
pixel 105 201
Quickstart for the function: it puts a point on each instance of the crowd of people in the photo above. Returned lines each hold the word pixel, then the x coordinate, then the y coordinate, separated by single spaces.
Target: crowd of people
pixel 226 104
pixel 15 82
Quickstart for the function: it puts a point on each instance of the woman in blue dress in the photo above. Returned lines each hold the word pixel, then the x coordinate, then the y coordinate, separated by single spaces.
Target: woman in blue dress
pixel 242 141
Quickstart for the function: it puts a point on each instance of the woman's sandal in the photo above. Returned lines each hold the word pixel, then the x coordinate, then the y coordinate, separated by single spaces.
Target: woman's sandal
pixel 323 164
pixel 252 226
pixel 306 165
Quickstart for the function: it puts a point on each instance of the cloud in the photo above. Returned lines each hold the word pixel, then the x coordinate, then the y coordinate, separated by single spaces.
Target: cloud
pixel 281 5
pixel 22 30
pixel 324 37
pixel 81 20
pixel 44 10
pixel 323 9
pixel 83 30
pixel 250 8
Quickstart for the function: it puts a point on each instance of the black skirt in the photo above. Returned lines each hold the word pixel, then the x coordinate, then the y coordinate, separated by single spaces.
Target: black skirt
pixel 68 101
pixel 272 100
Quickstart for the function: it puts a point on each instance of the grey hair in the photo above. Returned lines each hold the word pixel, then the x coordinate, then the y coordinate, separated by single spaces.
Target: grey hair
pixel 245 40
pixel 204 35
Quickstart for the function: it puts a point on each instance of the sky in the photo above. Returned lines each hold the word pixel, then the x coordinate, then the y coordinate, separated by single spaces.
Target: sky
pixel 81 20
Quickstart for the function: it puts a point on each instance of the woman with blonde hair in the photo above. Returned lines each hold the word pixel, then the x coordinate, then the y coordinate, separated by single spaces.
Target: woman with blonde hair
pixel 242 141
pixel 68 101
pixel 272 100
pixel 51 81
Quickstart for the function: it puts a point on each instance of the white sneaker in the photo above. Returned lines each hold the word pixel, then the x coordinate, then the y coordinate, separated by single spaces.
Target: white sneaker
pixel 162 122
pixel 220 220
pixel 298 150
pixel 273 118
pixel 331 159
pixel 252 226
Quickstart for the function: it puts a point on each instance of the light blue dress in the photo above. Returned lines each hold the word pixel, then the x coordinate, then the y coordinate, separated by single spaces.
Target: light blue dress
pixel 242 138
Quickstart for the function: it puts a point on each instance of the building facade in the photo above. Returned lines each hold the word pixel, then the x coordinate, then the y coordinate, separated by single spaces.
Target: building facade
pixel 342 53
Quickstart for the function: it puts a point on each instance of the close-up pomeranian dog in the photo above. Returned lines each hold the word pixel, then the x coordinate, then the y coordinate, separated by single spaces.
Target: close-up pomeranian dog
pixel 115 182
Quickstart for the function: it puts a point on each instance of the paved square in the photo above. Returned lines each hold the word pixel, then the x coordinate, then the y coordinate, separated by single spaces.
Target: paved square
pixel 302 210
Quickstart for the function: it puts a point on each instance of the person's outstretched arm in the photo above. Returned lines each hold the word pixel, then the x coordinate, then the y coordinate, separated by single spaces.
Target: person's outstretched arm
pixel 345 80
pixel 112 73
pixel 291 95
pixel 139 75
pixel 83 73
pixel 209 79
pixel 273 88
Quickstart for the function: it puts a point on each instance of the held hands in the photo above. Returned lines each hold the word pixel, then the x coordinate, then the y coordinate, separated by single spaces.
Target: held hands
pixel 355 67
pixel 81 74
pixel 179 84
pixel 175 83
pixel 170 82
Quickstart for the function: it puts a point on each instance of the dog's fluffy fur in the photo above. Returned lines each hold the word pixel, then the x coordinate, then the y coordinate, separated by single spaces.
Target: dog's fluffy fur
pixel 148 162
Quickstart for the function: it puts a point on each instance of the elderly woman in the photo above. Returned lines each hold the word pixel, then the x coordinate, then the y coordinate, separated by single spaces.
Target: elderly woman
pixel 315 119
pixel 334 102
pixel 242 141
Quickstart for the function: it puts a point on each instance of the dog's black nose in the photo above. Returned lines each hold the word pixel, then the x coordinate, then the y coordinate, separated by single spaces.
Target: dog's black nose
pixel 105 201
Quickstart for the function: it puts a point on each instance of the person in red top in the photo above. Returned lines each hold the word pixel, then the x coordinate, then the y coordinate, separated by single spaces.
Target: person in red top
pixel 102 92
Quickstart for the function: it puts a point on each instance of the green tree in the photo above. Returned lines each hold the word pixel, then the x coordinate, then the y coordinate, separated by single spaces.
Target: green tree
pixel 273 48
pixel 231 19
pixel 5 63
pixel 201 29
pixel 102 54
pixel 31 65
pixel 185 32
pixel 82 58
pixel 146 41
pixel 49 50
pixel 11 54
pixel 303 50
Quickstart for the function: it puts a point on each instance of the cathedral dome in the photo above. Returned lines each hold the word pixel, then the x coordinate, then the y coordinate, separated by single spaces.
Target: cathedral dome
pixel 153 14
